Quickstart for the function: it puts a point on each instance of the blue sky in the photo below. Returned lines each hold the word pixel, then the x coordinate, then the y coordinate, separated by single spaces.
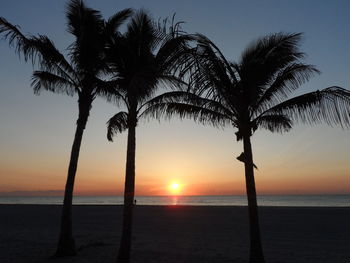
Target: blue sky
pixel 36 132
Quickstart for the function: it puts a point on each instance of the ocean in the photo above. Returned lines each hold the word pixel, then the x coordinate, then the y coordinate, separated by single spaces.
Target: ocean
pixel 228 200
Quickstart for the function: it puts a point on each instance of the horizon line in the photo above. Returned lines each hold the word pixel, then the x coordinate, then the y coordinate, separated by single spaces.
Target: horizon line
pixel 8 194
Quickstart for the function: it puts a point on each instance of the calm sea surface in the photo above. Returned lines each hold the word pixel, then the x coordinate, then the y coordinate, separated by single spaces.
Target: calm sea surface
pixel 234 200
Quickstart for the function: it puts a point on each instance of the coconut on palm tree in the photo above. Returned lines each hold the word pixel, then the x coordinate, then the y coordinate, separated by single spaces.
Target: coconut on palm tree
pixel 143 59
pixel 252 94
pixel 79 76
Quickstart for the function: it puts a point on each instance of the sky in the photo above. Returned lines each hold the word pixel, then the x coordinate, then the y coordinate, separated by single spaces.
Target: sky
pixel 36 132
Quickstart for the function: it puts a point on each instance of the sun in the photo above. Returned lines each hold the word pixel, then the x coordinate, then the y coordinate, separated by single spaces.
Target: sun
pixel 174 188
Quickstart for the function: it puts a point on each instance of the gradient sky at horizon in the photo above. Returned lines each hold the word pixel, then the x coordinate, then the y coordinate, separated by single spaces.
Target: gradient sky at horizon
pixel 36 132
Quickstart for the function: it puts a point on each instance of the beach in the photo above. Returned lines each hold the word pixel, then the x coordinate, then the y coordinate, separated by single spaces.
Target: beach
pixel 28 233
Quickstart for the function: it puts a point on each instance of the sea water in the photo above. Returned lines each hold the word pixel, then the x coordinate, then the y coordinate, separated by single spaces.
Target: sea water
pixel 227 200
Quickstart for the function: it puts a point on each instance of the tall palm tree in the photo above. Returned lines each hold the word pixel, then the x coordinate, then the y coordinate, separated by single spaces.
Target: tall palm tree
pixel 79 77
pixel 144 58
pixel 252 94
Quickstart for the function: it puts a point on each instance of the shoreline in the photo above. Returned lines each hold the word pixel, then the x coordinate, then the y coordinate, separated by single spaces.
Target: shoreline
pixel 263 201
pixel 146 205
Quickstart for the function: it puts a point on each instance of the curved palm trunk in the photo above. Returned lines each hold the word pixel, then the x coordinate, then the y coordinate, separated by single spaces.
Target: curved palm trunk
pixel 66 243
pixel 256 252
pixel 129 192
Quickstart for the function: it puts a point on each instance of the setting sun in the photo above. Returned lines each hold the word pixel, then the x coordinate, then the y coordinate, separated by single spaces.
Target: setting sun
pixel 175 188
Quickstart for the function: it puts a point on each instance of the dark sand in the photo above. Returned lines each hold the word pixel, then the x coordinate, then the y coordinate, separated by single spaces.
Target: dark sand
pixel 28 233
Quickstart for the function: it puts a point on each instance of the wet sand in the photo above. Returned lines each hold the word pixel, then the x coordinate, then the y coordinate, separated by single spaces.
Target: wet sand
pixel 28 233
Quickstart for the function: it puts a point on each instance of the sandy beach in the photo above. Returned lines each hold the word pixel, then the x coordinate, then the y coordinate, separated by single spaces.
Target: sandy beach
pixel 28 233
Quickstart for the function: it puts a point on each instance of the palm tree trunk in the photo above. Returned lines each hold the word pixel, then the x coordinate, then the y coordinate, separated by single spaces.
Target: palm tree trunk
pixel 66 243
pixel 129 192
pixel 256 252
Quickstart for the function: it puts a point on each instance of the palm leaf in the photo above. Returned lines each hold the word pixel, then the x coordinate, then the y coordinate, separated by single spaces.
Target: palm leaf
pixel 264 58
pixel 182 110
pixel 37 48
pixel 116 20
pixel 16 39
pixel 192 100
pixel 52 60
pixel 117 124
pixel 109 89
pixel 213 77
pixel 284 46
pixel 273 123
pixel 78 15
pixel 87 25
pixel 207 44
pixel 330 105
pixel 174 53
pixel 51 82
pixel 171 82
pixel 142 33
pixel 288 80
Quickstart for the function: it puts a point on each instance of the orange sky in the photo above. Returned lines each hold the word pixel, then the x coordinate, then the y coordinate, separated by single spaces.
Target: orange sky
pixel 294 163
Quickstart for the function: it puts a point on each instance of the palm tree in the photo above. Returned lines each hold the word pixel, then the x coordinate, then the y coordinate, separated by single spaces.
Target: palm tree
pixel 143 58
pixel 79 76
pixel 252 94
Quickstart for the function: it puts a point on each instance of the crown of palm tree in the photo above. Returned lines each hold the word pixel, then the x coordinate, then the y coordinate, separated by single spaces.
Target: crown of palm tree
pixel 254 92
pixel 86 53
pixel 143 59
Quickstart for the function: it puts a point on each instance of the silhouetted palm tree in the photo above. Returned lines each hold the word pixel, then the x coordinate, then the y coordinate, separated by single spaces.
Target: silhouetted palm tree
pixel 252 94
pixel 143 58
pixel 80 76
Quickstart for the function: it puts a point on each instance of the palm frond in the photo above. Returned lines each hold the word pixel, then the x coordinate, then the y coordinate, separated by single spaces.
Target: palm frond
pixel 330 105
pixel 172 82
pixel 117 124
pixel 52 59
pixel 264 58
pixel 273 45
pixel 206 44
pixel 51 82
pixel 23 45
pixel 213 77
pixel 182 110
pixel 191 99
pixel 16 39
pixel 174 54
pixel 273 123
pixel 288 80
pixel 37 48
pixel 109 90
pixel 142 33
pixel 87 26
pixel 116 20
pixel 174 51
pixel 171 27
pixel 78 14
